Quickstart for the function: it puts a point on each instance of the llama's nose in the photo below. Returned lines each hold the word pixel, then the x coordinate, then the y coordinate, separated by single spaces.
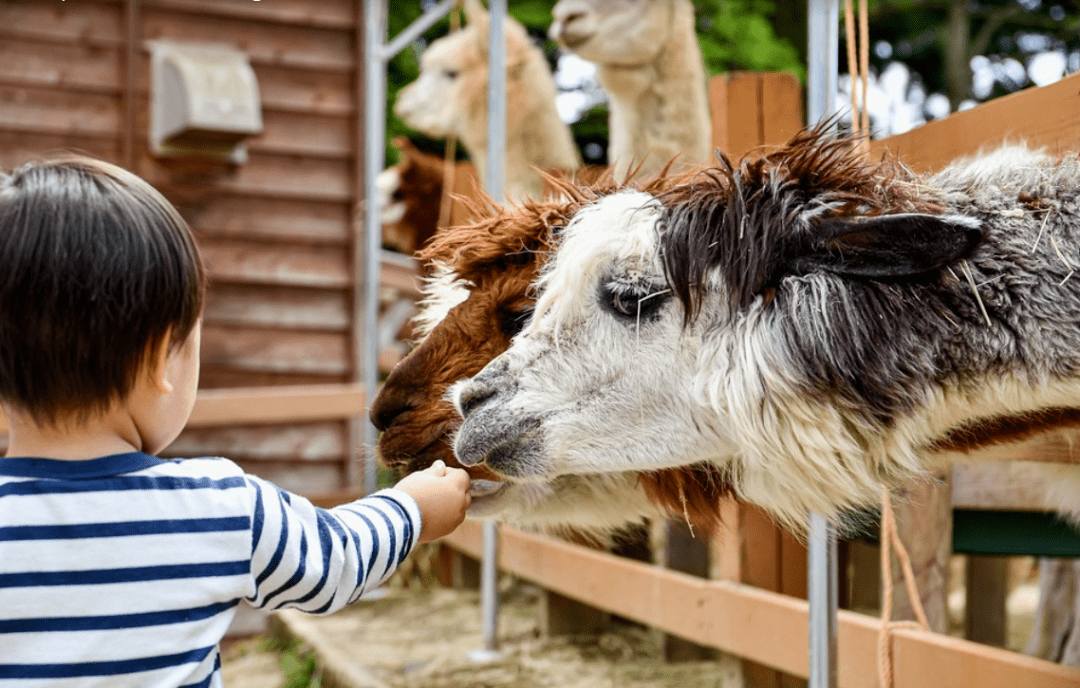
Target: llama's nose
pixel 473 395
pixel 390 403
pixel 572 18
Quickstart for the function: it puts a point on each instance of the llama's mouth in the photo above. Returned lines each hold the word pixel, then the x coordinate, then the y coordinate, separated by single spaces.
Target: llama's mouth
pixel 479 489
pixel 512 449
pixel 573 39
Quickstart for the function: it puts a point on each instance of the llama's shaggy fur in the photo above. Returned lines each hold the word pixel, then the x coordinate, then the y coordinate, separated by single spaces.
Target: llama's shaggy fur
pixel 478 297
pixel 812 325
pixel 649 63
pixel 450 98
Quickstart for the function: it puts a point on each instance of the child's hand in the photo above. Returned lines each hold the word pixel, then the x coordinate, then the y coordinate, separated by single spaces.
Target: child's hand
pixel 443 496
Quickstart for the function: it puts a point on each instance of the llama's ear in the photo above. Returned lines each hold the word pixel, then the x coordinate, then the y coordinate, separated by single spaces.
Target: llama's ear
pixel 475 12
pixel 887 246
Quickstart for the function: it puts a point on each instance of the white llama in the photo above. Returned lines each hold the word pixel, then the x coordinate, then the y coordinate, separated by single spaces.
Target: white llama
pixel 805 322
pixel 450 98
pixel 649 62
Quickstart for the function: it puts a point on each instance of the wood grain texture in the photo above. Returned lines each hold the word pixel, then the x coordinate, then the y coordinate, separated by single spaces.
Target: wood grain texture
pixel 1043 117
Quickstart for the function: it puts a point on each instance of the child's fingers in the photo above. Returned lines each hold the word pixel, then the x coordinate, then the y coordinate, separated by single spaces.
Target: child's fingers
pixel 460 477
pixel 439 467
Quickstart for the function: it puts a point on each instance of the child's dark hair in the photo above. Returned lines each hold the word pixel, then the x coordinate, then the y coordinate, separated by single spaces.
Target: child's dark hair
pixel 96 269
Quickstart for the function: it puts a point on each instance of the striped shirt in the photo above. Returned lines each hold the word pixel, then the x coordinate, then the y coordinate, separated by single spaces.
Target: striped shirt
pixel 127 570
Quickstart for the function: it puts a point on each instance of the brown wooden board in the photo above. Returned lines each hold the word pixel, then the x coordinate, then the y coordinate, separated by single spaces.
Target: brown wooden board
pixel 278 264
pixel 275 351
pixel 267 176
pixel 1044 117
pixel 280 45
pixel 1004 486
pixel 84 23
pixel 18 147
pixel 74 67
pixel 35 110
pixel 284 307
pixel 271 220
pixel 214 378
pixel 301 443
pixel 304 91
pixel 327 14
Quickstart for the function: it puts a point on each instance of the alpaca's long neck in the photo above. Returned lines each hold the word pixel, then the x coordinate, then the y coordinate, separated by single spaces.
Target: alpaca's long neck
pixel 521 178
pixel 536 137
pixel 659 110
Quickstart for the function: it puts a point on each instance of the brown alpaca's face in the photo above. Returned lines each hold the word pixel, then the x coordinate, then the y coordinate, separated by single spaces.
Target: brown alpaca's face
pixel 416 422
pixel 471 316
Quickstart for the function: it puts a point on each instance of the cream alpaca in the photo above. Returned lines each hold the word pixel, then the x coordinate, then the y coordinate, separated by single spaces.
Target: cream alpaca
pixel 450 98
pixel 648 60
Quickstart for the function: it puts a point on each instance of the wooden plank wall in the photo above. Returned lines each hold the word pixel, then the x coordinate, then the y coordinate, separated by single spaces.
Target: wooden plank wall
pixel 276 231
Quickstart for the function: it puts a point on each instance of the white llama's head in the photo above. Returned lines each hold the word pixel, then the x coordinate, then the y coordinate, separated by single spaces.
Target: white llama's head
pixel 450 95
pixel 792 320
pixel 614 32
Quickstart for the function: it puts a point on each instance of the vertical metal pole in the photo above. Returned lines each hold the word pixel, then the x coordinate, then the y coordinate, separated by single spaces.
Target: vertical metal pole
pixel 823 33
pixel 374 159
pixel 496 164
pixel 823 59
pixel 822 596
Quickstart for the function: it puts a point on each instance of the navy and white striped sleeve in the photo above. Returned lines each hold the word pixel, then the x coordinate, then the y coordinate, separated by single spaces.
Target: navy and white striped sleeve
pixel 319 560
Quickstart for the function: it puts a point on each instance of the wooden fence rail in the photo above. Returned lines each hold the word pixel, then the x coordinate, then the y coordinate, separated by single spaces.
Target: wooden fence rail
pixel 763 626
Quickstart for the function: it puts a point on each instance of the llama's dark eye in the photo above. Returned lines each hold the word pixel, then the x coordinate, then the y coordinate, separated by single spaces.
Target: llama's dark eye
pixel 513 321
pixel 638 302
pixel 625 304
pixel 450 74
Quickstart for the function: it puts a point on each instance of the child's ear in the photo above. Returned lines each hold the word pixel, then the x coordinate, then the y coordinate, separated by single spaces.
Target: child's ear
pixel 156 363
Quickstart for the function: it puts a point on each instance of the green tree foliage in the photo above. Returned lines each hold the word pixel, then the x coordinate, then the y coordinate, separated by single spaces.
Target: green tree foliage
pixel 740 34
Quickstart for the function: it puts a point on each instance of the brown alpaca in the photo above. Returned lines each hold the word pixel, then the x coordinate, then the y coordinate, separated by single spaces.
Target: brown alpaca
pixel 499 257
pixel 412 197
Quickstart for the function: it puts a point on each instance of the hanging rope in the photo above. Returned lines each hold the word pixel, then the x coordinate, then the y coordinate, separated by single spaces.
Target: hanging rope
pixel 890 538
pixel 446 200
pixel 859 70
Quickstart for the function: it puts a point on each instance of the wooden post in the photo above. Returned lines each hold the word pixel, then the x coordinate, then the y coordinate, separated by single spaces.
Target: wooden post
pixel 752 110
pixel 456 570
pixel 687 553
pixel 987 581
pixel 924 521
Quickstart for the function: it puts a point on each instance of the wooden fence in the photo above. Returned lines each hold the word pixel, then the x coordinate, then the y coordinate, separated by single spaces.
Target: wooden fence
pixel 767 627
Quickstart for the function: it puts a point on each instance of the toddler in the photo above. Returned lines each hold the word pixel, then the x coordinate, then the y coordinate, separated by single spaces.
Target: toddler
pixel 119 568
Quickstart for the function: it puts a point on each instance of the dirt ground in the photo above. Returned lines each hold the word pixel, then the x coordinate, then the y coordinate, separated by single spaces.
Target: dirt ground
pixel 423 639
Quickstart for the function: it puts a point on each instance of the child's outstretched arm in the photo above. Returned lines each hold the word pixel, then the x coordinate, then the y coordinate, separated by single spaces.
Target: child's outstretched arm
pixel 319 560
pixel 443 496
